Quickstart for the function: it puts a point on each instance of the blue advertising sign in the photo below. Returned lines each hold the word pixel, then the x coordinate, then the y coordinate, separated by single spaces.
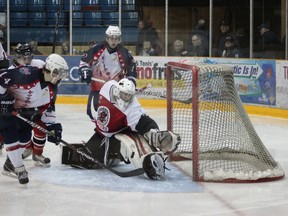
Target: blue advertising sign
pixel 255 80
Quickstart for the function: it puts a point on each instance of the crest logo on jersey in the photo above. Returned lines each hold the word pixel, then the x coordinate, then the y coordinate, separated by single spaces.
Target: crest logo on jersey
pixel 25 70
pixel 103 118
pixel 6 81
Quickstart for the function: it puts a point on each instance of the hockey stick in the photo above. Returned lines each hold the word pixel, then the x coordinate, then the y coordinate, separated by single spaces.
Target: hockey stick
pixel 135 172
pixel 187 101
pixel 56 26
pixel 103 81
pixel 98 80
pixel 140 90
pixel 159 94
pixel 137 90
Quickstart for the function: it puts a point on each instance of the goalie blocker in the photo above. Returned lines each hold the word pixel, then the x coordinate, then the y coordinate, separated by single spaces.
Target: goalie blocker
pixel 131 147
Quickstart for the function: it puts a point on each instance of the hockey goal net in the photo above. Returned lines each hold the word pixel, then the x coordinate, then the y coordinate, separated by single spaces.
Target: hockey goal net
pixel 203 106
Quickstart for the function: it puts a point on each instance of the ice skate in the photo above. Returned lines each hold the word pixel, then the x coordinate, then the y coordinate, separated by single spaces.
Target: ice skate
pixel 41 160
pixel 22 175
pixel 8 169
pixel 27 152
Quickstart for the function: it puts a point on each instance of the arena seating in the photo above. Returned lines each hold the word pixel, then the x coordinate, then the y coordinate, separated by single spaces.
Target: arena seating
pixel 3 5
pixel 36 19
pixel 18 5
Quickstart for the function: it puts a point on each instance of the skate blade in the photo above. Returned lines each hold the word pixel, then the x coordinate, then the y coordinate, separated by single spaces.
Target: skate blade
pixel 9 174
pixel 39 164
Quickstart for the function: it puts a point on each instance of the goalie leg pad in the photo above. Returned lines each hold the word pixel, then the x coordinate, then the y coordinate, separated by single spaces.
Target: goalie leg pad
pixel 166 141
pixel 134 148
pixel 74 159
pixel 69 156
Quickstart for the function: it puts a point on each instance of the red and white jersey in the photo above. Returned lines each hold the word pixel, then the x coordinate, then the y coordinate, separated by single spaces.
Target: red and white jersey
pixel 107 67
pixel 47 116
pixel 35 63
pixel 110 119
pixel 106 64
pixel 28 87
pixel 3 54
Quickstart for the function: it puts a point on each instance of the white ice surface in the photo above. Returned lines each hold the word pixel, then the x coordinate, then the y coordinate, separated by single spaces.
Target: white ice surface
pixel 61 190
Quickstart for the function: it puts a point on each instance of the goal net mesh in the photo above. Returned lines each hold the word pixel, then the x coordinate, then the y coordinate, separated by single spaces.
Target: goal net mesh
pixel 203 106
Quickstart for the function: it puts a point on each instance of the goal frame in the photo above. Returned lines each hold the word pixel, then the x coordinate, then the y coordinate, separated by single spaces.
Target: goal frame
pixel 195 124
pixel 195 121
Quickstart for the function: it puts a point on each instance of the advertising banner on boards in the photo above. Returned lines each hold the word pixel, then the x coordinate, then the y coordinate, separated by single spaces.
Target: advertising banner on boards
pixel 255 80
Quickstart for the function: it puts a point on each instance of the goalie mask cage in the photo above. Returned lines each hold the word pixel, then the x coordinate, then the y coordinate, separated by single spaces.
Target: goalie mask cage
pixel 204 107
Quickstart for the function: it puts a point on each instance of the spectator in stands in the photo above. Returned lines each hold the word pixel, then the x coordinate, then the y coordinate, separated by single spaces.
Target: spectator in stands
pixel 147 49
pixel 243 42
pixel 34 46
pixel 268 43
pixel 225 31
pixel 147 33
pixel 65 48
pixel 201 29
pixel 230 51
pixel 198 48
pixel 178 48
pixel 91 43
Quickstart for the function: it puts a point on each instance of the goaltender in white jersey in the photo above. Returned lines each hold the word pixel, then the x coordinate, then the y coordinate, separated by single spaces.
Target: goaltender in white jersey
pixel 124 132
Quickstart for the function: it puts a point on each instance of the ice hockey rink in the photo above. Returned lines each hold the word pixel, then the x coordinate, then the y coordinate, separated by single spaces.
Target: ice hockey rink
pixel 62 190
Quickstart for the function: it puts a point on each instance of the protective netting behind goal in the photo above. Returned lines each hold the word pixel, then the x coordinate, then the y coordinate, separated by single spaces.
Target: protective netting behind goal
pixel 216 132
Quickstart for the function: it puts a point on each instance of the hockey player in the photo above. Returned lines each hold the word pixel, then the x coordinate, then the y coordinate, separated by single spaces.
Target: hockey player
pixel 24 56
pixel 29 91
pixel 105 61
pixel 4 63
pixel 125 132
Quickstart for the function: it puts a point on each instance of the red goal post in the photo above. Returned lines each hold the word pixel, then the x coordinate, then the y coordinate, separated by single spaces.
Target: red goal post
pixel 218 140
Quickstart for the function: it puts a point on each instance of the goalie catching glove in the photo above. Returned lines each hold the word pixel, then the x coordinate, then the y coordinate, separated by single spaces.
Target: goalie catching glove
pixel 85 73
pixel 166 141
pixel 56 133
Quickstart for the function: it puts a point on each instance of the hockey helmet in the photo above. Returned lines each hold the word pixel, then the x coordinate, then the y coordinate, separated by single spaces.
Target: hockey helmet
pixel 113 31
pixel 113 36
pixel 124 93
pixel 23 50
pixel 56 68
pixel 24 54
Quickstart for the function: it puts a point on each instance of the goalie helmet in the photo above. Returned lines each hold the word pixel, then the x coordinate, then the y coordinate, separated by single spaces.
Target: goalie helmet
pixel 124 93
pixel 56 68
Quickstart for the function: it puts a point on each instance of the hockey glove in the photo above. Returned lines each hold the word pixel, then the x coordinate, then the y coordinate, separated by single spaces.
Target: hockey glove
pixel 29 113
pixel 166 141
pixel 56 135
pixel 86 74
pixel 6 105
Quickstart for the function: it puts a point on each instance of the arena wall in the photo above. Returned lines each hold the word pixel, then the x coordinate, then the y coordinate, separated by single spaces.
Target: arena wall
pixel 261 83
